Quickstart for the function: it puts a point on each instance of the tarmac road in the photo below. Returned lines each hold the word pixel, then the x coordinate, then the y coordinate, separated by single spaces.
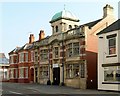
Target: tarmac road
pixel 32 89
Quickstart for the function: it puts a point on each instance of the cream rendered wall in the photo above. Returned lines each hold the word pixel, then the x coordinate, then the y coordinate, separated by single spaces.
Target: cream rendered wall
pixel 102 53
pixel 60 26
pixel 106 51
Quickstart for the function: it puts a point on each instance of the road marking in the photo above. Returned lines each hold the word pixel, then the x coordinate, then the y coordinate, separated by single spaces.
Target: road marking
pixel 14 92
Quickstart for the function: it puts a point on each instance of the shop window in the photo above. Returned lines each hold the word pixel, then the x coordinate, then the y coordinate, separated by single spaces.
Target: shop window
pixel 112 73
pixel 72 70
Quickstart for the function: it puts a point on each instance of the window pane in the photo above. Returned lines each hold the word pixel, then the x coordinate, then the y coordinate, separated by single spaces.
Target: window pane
pixel 112 46
pixel 76 48
pixel 56 52
pixel 112 73
pixel 44 72
pixel 112 42
pixel 76 70
pixel 82 70
pixel 44 54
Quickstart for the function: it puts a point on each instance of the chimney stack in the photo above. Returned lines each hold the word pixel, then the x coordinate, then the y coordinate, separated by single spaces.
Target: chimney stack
pixel 108 11
pixel 31 38
pixel 41 35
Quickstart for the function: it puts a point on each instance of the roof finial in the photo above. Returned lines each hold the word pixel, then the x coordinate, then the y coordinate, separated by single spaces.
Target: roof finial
pixel 64 6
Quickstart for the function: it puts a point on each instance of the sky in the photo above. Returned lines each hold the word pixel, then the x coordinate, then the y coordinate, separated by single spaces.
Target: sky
pixel 20 19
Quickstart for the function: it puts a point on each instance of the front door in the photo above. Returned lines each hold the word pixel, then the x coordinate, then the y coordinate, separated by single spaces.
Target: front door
pixel 56 76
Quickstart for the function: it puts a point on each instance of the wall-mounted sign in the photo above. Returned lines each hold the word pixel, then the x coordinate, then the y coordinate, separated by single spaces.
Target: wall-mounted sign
pixel 55 65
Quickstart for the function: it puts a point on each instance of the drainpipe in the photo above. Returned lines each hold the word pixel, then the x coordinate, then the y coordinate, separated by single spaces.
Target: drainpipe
pixel 48 82
pixel 63 59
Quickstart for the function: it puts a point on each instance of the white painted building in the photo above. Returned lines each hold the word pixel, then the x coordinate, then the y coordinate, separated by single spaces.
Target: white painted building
pixel 109 58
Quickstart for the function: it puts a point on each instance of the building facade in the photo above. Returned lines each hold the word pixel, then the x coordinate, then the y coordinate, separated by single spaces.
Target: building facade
pixel 109 58
pixel 4 68
pixel 69 55
pixel 21 63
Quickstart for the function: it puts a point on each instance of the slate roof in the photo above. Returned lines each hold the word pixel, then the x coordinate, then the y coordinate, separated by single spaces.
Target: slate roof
pixel 91 24
pixel 26 47
pixel 15 50
pixel 113 27
pixel 3 59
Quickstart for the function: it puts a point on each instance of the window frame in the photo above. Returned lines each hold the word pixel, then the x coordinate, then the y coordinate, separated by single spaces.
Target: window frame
pixel 111 46
pixel 71 71
pixel 71 49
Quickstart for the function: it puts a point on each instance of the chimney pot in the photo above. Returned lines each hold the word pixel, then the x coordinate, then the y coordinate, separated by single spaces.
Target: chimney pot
pixel 31 38
pixel 41 35
pixel 108 10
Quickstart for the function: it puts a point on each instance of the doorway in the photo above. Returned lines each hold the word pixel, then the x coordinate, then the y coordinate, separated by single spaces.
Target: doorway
pixel 56 76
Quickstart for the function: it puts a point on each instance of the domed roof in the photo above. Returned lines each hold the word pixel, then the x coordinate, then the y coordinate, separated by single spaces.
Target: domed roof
pixel 64 15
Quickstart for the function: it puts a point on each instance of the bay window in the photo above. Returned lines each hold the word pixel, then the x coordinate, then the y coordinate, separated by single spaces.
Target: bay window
pixel 21 73
pixel 26 72
pixel 73 49
pixel 26 57
pixel 44 54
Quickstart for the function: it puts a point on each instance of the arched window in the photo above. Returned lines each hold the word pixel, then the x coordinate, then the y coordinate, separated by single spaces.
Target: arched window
pixel 70 27
pixel 56 28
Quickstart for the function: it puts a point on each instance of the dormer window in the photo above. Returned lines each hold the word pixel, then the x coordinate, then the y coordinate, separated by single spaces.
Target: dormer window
pixel 70 27
pixel 56 28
